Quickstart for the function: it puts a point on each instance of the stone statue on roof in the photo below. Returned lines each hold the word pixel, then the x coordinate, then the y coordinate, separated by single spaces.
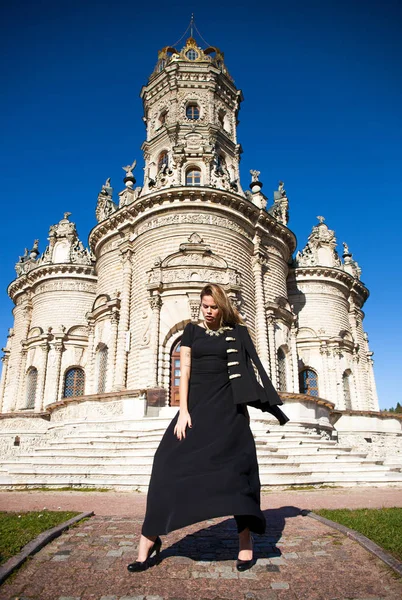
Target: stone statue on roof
pixel 129 169
pixel 107 189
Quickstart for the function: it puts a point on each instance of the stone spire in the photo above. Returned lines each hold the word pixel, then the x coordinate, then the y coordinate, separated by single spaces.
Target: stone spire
pixel 350 265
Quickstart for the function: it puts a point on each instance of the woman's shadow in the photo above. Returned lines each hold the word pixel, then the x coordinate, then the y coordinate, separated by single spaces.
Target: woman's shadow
pixel 220 542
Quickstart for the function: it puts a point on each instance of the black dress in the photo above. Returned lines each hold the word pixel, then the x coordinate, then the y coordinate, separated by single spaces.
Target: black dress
pixel 213 471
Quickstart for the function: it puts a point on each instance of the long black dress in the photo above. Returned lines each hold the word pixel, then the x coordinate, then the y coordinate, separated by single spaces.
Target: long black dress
pixel 213 471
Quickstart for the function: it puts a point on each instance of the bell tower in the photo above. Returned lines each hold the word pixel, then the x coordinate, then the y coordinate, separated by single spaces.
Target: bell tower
pixel 190 110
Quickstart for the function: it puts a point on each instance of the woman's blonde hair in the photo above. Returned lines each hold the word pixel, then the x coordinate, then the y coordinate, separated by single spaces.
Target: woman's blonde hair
pixel 229 314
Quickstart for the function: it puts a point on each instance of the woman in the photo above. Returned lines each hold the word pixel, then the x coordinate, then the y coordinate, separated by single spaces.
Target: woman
pixel 206 464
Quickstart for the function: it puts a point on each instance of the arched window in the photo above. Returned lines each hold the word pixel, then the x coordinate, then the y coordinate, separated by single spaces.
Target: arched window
pixel 74 382
pixel 193 177
pixel 163 160
pixel 282 384
pixel 308 381
pixel 162 117
pixel 161 65
pixel 346 377
pixel 32 384
pixel 101 357
pixel 192 55
pixel 175 374
pixel 193 111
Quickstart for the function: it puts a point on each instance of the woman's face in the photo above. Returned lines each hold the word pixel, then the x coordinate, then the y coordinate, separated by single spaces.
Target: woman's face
pixel 210 311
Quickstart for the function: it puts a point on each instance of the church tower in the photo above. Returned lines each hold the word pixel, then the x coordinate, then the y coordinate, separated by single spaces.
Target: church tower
pixel 191 107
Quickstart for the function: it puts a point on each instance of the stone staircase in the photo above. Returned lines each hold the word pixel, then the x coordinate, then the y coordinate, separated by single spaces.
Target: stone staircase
pixel 119 455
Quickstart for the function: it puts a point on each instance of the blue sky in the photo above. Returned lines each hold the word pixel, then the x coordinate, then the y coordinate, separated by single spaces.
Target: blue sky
pixel 322 111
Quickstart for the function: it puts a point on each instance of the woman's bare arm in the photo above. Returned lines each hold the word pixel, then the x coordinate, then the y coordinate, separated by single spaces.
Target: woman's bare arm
pixel 184 418
pixel 185 368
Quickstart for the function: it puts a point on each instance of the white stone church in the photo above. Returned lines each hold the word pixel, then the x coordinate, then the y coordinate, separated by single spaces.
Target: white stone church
pixel 92 360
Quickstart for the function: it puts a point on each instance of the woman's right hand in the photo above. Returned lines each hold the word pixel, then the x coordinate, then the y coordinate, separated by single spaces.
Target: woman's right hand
pixel 183 420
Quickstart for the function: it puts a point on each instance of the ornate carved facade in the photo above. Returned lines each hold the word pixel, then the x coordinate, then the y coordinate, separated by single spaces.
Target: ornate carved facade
pixel 107 318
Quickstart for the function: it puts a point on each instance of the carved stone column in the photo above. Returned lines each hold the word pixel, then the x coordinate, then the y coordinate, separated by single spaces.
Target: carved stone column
pixel 58 388
pixel 272 350
pixel 258 260
pixel 114 321
pixel 90 371
pixel 373 387
pixel 155 303
pixel 340 397
pixel 324 386
pixel 19 400
pixel 124 323
pixel 5 360
pixel 358 403
pixel 293 358
pixel 42 371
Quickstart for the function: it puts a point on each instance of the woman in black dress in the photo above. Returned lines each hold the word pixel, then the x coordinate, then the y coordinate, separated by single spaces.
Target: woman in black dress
pixel 206 464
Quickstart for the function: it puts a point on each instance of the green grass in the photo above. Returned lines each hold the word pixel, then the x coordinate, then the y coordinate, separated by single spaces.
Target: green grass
pixel 17 529
pixel 383 526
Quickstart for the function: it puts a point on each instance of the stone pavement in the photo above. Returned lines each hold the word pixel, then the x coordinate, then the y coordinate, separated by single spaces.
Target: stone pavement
pixel 298 558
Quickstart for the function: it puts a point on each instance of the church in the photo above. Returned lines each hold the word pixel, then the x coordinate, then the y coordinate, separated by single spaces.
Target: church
pixel 97 330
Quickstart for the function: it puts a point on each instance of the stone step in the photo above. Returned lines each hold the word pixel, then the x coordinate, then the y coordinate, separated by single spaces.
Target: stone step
pixel 126 444
pixel 116 438
pixel 101 433
pixel 307 441
pixel 96 451
pixel 134 458
pixel 135 469
pixel 140 482
pixel 294 437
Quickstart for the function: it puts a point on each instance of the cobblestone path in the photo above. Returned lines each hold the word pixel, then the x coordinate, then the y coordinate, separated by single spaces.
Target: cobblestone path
pixel 298 558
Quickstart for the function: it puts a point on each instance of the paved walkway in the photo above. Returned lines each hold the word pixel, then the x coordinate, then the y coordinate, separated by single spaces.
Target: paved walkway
pixel 298 558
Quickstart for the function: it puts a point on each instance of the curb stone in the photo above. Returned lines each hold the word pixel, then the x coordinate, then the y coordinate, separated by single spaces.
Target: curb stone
pixel 361 539
pixel 36 544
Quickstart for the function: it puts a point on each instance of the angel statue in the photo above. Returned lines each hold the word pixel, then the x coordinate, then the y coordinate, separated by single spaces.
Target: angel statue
pixel 254 175
pixel 129 169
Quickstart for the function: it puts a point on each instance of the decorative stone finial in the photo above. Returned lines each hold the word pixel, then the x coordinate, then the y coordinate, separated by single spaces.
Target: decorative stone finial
pixel 27 261
pixel 35 250
pixel 129 179
pixel 320 249
pixel 255 184
pixel 254 175
pixel 105 205
pixel 107 189
pixel 350 265
pixel 280 208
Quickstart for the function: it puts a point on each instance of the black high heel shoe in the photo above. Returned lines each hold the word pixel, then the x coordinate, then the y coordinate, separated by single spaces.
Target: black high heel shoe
pixel 139 565
pixel 244 565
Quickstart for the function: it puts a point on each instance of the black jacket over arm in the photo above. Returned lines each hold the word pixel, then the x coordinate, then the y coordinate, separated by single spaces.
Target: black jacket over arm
pixel 245 387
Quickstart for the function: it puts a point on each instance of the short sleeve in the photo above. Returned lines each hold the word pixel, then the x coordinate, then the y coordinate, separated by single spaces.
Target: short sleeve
pixel 187 337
